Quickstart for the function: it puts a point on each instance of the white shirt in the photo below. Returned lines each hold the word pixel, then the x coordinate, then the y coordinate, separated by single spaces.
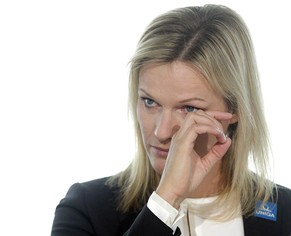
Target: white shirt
pixel 191 224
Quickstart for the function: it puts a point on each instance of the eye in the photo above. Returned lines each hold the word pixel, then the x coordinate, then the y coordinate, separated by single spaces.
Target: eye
pixel 190 109
pixel 149 102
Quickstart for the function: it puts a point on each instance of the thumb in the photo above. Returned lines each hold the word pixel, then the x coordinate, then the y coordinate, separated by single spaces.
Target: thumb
pixel 215 153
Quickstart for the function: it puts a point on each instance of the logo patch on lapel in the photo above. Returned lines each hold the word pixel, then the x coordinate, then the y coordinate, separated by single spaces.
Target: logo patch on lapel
pixel 267 211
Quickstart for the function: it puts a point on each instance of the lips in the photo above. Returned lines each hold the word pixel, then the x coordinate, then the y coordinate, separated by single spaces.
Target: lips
pixel 160 152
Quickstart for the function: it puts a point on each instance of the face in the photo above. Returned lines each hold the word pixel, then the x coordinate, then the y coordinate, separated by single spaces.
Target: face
pixel 166 93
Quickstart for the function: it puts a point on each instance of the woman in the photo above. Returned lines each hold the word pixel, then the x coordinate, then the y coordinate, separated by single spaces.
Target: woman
pixel 196 105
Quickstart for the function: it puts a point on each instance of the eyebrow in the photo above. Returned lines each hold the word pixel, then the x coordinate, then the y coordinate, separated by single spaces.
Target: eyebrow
pixel 182 101
pixel 192 99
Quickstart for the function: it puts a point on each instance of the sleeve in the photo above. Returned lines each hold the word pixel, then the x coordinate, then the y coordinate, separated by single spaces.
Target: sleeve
pixel 79 215
pixel 163 210
pixel 71 216
pixel 148 224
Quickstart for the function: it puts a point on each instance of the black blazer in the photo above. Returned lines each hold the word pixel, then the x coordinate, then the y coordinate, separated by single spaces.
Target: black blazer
pixel 89 209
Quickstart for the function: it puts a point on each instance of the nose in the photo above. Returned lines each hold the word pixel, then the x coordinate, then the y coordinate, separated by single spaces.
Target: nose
pixel 167 125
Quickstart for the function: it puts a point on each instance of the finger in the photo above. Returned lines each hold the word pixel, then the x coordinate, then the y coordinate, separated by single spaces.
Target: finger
pixel 219 149
pixel 209 117
pixel 215 154
pixel 219 115
pixel 197 129
pixel 199 117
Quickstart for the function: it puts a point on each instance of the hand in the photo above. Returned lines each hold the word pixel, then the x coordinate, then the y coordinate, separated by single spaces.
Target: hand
pixel 185 168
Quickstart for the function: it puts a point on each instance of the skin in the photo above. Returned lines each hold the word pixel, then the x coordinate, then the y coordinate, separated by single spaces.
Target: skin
pixel 182 121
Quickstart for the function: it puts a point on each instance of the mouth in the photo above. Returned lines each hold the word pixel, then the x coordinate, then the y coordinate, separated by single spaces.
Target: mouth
pixel 160 152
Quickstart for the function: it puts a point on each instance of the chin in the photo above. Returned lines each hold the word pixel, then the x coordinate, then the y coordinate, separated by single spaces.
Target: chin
pixel 158 167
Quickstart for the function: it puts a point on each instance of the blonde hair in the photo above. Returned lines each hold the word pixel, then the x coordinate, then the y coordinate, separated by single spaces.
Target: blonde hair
pixel 216 41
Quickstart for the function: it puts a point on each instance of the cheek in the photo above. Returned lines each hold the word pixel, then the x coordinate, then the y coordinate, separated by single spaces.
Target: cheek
pixel 144 121
pixel 204 143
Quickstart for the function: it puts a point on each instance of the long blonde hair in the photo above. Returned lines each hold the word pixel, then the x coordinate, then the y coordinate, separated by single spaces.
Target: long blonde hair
pixel 216 40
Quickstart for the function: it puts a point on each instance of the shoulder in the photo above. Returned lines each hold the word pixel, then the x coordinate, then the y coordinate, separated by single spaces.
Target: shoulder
pixel 283 201
pixel 88 207
pixel 96 186
pixel 274 218
pixel 283 192
pixel 94 194
pixel 283 197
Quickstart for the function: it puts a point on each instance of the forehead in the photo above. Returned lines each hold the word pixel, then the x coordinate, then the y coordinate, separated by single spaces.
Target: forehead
pixel 178 77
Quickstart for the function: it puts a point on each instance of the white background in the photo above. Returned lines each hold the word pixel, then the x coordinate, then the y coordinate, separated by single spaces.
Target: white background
pixel 63 90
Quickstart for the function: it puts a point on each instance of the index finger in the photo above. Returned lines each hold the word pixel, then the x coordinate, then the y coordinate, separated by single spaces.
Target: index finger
pixel 220 115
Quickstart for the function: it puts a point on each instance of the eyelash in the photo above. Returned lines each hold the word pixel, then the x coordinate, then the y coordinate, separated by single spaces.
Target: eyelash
pixel 153 104
pixel 192 107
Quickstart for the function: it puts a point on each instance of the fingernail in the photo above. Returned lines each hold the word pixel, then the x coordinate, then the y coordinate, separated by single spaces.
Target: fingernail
pixel 222 135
